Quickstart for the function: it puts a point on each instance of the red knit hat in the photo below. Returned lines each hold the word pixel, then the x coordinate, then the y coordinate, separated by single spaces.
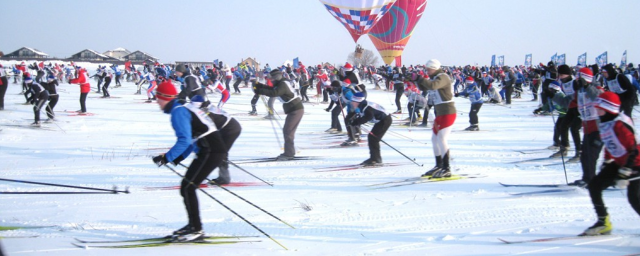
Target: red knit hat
pixel 586 74
pixel 469 80
pixel 609 101
pixel 348 67
pixel 347 81
pixel 166 91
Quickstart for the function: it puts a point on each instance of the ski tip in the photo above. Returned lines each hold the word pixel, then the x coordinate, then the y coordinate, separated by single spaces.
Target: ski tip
pixel 504 241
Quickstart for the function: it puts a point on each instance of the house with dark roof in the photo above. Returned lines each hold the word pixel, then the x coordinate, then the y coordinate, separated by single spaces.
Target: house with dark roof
pixel 117 53
pixel 139 57
pixel 26 53
pixel 89 55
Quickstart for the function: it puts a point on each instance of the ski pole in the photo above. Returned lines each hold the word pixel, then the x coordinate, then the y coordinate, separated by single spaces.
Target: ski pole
pixel 225 206
pixel 412 160
pixel 53 193
pixel 114 190
pixel 242 169
pixel 561 153
pixel 241 198
pixel 271 119
pixel 405 137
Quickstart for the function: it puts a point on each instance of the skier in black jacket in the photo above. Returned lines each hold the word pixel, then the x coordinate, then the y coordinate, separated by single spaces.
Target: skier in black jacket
pixel 191 85
pixel 50 86
pixel 38 98
pixel 292 106
pixel 371 112
pixel 619 84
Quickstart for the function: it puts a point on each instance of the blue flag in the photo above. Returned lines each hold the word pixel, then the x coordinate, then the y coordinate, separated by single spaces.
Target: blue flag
pixel 561 60
pixel 582 60
pixel 296 63
pixel 623 61
pixel 602 59
pixel 528 59
pixel 215 62
pixel 554 58
pixel 493 60
pixel 501 61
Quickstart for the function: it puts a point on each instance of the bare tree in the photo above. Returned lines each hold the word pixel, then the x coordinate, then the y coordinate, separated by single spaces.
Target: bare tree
pixel 368 58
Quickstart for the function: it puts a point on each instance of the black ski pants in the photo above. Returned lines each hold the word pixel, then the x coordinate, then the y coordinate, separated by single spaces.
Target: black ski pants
pixel 606 178
pixel 205 162
pixel 374 137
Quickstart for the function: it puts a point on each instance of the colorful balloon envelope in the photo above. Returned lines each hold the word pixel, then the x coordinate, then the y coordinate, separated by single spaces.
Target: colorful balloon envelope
pixel 358 16
pixel 392 33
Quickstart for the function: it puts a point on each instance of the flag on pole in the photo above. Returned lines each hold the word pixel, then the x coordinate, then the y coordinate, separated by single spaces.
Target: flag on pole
pixel 501 61
pixel 582 60
pixel 296 63
pixel 215 62
pixel 602 59
pixel 561 60
pixel 623 62
pixel 493 60
pixel 554 58
pixel 528 60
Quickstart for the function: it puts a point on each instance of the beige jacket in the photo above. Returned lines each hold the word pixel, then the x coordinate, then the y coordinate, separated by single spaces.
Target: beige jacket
pixel 440 85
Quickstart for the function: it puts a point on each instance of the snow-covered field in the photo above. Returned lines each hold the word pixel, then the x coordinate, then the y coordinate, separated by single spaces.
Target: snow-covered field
pixel 335 213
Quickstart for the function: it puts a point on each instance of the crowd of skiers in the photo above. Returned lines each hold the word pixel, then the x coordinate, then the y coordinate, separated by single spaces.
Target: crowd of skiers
pixel 598 100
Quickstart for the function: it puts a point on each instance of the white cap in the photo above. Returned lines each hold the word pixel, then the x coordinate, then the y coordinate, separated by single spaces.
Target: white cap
pixel 433 64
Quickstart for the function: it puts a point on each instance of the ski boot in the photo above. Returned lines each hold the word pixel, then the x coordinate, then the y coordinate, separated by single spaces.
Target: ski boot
pixel 223 174
pixel 189 235
pixel 554 146
pixel 473 128
pixel 399 111
pixel 576 158
pixel 579 183
pixel 283 157
pixel 330 130
pixel 601 227
pixel 35 124
pixel 371 162
pixel 349 143
pixel 561 153
pixel 435 169
pixel 444 172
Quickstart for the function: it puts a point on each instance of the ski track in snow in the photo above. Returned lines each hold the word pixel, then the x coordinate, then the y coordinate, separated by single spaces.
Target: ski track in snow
pixel 335 213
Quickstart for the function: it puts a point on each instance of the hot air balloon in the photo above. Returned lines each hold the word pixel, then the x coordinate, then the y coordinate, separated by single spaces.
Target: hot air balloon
pixel 358 16
pixel 392 33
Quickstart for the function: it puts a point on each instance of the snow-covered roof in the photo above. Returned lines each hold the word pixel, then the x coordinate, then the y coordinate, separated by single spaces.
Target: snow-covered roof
pixel 120 49
pixel 148 55
pixel 36 51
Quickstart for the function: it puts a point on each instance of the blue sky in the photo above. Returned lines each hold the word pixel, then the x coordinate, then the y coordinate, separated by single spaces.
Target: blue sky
pixel 454 31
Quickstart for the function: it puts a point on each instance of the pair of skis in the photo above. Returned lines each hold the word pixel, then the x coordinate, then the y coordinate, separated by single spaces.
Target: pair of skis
pixel 273 159
pixel 162 241
pixel 561 238
pixel 420 180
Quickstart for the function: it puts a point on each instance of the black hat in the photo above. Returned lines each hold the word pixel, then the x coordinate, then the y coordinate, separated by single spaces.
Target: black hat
pixel 564 70
pixel 276 74
pixel 181 68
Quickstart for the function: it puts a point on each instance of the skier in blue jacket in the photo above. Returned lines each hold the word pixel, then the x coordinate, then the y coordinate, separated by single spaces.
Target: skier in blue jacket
pixel 475 96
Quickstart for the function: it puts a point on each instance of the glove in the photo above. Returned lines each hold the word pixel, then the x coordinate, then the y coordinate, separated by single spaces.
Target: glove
pixel 160 160
pixel 456 95
pixel 178 160
pixel 327 109
pixel 622 181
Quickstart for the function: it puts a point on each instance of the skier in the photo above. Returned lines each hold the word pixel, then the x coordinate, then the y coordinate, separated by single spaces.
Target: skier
pixel 82 79
pixel 622 160
pixel 440 84
pixel 586 97
pixel 4 83
pixel 38 98
pixel 415 103
pixel 196 132
pixel 50 86
pixel 219 88
pixel 620 85
pixel 473 92
pixel 107 81
pixel 292 106
pixel 238 74
pixel 340 102
pixel 508 82
pixel 191 85
pixel 151 79
pixel 374 113
pixel 398 86
pixel 571 120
